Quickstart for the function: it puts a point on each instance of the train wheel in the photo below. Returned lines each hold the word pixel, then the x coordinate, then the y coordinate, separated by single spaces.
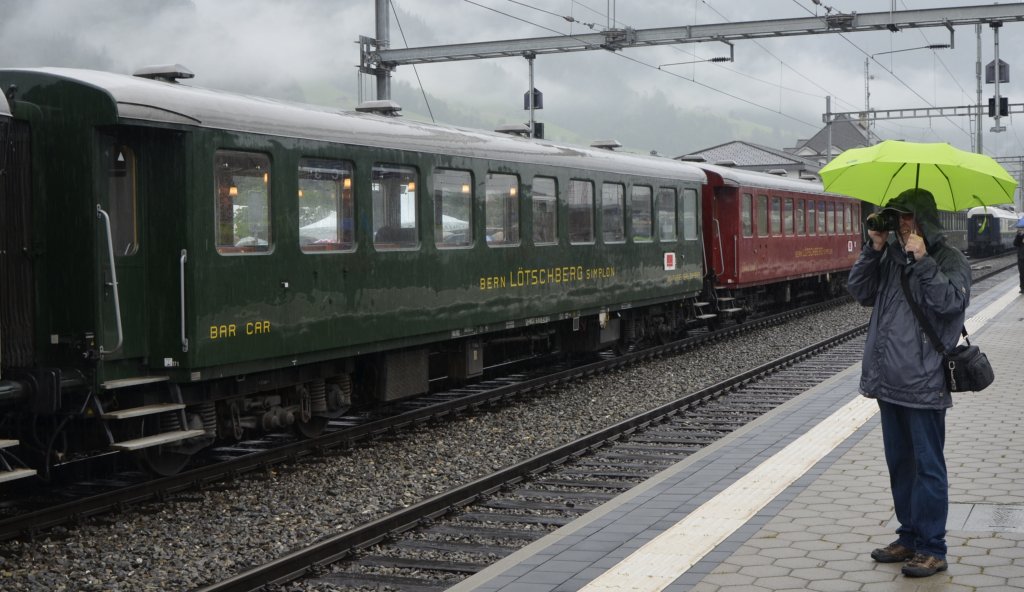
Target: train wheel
pixel 312 428
pixel 163 460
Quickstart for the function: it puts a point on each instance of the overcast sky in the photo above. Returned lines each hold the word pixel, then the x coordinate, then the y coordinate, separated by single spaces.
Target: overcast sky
pixel 773 94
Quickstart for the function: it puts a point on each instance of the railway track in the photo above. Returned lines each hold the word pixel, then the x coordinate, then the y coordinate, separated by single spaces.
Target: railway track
pixel 30 512
pixel 438 542
pixel 442 540
pixel 118 492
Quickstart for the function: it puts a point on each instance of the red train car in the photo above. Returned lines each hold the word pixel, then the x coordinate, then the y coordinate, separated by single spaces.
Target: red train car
pixel 770 238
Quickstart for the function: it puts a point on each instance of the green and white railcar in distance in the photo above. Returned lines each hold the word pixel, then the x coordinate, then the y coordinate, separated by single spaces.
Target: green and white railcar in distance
pixel 182 265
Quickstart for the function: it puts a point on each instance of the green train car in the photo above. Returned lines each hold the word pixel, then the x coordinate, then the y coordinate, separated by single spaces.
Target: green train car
pixel 182 266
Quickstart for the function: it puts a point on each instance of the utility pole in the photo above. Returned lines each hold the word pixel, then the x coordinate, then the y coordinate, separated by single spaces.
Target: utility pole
pixel 867 86
pixel 828 124
pixel 977 113
pixel 998 74
pixel 533 128
pixel 383 44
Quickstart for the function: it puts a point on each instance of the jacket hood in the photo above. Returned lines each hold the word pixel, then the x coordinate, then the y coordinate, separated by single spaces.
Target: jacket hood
pixel 920 203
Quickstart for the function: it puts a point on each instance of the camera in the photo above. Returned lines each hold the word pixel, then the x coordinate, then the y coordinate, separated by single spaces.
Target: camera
pixel 883 222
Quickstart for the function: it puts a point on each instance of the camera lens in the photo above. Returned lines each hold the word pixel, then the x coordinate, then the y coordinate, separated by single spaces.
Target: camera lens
pixel 882 222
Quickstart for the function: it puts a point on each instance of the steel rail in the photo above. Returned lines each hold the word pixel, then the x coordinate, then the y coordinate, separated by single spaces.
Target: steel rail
pixel 300 562
pixel 31 524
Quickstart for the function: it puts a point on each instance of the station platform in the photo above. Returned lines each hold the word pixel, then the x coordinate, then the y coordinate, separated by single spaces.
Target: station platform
pixel 799 498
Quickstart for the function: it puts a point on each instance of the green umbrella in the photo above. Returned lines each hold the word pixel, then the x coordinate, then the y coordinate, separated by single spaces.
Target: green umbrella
pixel 958 179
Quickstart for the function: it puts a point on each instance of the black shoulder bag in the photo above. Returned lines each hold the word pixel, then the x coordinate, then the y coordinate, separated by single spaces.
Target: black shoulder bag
pixel 965 368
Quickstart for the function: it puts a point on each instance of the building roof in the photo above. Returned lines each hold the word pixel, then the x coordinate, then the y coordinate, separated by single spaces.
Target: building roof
pixel 750 155
pixel 846 134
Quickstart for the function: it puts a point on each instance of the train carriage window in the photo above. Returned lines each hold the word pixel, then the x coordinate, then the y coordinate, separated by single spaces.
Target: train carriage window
pixel 641 225
pixel 544 196
pixel 395 223
pixel 326 220
pixel 689 214
pixel 801 229
pixel 762 215
pixel 242 191
pixel 810 217
pixel 667 222
pixel 581 211
pixel 831 218
pixel 453 208
pixel 776 216
pixel 847 221
pixel 747 214
pixel 121 201
pixel 501 209
pixel 787 216
pixel 856 219
pixel 821 218
pixel 613 212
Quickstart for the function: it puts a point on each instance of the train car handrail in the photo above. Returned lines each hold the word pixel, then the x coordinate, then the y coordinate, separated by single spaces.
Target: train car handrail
pixel 113 279
pixel 718 235
pixel 181 265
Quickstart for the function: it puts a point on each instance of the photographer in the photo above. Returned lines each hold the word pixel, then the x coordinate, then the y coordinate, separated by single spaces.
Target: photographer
pixel 902 370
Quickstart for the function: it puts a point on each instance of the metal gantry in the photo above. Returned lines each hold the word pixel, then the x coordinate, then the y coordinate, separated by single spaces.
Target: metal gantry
pixel 376 58
pixel 915 113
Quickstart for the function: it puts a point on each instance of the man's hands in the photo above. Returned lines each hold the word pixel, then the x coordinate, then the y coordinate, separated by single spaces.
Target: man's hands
pixel 915 244
pixel 878 239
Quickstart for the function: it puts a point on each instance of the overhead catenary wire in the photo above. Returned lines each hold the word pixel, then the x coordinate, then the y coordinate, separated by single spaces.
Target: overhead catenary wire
pixel 415 71
pixel 871 57
pixel 653 67
pixel 952 77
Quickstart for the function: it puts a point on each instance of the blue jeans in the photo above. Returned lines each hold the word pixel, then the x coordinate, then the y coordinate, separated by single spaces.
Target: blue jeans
pixel 913 440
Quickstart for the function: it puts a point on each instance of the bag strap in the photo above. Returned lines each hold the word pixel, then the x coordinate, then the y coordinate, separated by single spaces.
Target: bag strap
pixel 921 320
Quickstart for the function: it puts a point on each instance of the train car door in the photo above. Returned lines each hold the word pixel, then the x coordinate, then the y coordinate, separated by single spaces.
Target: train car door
pixel 120 250
pixel 723 240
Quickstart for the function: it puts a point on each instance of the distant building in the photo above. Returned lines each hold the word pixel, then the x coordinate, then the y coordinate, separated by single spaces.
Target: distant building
pixel 754 157
pixel 845 134
pixel 802 161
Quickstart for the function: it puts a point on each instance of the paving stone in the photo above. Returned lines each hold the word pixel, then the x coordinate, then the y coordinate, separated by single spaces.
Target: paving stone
pixel 822 531
pixel 834 586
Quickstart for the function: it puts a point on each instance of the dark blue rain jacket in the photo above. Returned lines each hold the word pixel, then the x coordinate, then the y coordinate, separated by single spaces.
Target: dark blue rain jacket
pixel 900 364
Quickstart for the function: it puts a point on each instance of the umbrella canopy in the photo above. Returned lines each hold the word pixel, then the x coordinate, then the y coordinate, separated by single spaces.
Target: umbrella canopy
pixel 958 179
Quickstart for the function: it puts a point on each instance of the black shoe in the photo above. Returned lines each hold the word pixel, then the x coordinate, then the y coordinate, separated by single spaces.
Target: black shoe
pixel 894 553
pixel 922 566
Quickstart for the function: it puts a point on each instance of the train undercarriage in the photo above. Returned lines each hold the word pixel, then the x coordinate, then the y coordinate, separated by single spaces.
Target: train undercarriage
pixel 59 420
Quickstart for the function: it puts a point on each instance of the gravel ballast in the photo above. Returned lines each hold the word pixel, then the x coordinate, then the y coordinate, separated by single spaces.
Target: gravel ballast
pixel 199 537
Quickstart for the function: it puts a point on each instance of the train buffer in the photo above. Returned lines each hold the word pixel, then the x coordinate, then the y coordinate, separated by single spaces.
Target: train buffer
pixel 7 472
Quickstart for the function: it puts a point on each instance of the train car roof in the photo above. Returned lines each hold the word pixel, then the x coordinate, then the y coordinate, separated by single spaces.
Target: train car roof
pixel 992 211
pixel 734 177
pixel 144 100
